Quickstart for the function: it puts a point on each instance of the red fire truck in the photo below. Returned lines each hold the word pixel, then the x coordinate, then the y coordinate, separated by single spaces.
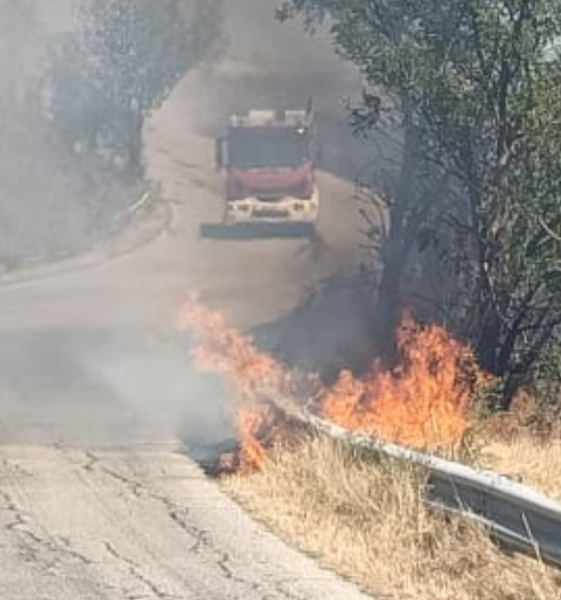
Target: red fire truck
pixel 269 161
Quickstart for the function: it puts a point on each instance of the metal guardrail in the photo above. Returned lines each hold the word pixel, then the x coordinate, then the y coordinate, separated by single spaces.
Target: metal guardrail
pixel 516 515
pixel 125 215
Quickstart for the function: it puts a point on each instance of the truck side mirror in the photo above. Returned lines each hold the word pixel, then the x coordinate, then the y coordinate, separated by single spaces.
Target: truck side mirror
pixel 221 153
pixel 310 108
pixel 218 158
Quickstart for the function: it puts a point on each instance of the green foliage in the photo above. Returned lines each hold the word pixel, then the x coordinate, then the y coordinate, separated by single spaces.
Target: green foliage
pixel 124 63
pixel 477 83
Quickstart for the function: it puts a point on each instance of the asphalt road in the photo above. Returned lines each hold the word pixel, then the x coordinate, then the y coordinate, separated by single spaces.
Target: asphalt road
pixel 97 497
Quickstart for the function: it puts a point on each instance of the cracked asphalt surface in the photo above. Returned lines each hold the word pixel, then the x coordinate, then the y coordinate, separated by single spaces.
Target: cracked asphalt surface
pixel 98 498
pixel 100 524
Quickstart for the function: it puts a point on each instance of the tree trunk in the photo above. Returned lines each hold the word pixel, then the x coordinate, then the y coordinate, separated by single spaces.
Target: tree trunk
pixel 389 304
pixel 396 250
pixel 489 342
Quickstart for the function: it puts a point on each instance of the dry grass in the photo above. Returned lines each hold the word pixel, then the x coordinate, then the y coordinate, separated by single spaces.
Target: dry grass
pixel 366 520
pixel 532 462
pixel 524 444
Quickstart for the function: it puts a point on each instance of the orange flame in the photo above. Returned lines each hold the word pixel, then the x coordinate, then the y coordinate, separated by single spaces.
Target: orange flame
pixel 424 403
pixel 253 454
pixel 255 377
pixel 223 349
pixel 261 431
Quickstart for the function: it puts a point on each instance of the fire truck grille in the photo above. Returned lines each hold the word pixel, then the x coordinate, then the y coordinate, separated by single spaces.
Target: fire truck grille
pixel 266 213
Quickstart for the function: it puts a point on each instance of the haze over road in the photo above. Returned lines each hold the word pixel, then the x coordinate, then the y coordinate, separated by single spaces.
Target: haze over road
pixel 96 498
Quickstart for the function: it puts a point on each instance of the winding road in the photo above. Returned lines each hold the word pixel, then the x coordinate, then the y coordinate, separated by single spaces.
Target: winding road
pixel 98 499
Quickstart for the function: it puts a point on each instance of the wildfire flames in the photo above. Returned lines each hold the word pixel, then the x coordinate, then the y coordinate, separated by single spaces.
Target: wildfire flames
pixel 256 380
pixel 424 403
pixel 223 349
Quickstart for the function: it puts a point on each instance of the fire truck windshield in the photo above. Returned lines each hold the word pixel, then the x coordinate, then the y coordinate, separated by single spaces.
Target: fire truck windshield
pixel 268 147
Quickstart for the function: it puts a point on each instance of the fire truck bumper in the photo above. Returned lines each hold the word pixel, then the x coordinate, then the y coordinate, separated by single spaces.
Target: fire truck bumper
pixel 285 210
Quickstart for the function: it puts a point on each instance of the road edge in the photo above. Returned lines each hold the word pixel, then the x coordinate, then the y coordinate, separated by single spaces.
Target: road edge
pixel 149 212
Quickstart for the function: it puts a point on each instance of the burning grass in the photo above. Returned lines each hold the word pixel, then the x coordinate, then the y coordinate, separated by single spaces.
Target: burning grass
pixel 425 403
pixel 260 432
pixel 366 520
pixel 256 380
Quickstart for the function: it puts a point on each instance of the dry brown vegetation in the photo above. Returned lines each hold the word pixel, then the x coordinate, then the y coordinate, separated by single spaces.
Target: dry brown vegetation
pixel 524 444
pixel 365 519
pixel 529 461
